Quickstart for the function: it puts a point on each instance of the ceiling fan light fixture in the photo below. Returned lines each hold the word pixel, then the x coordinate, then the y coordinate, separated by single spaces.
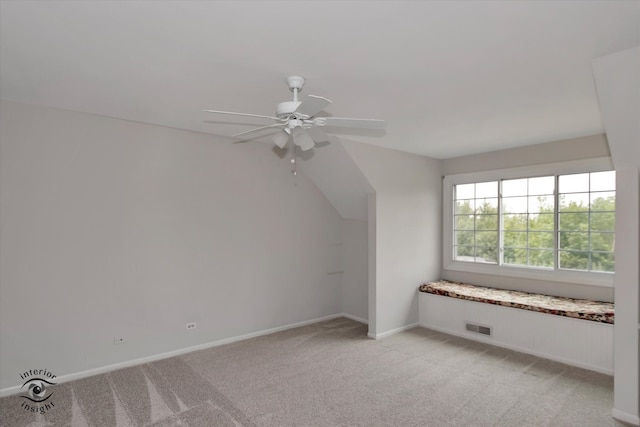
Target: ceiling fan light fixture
pixel 281 138
pixel 302 139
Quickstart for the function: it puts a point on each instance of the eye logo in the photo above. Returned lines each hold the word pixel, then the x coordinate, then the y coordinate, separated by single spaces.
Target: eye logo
pixel 36 390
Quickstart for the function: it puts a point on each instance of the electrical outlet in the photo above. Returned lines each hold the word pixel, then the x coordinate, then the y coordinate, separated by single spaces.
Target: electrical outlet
pixel 119 340
pixel 191 325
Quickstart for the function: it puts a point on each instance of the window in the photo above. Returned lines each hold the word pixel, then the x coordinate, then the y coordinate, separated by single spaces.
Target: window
pixel 554 226
pixel 586 221
pixel 476 222
pixel 528 221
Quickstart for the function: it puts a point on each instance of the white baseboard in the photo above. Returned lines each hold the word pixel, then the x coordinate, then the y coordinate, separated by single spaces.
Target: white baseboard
pixel 356 318
pixel 391 332
pixel 108 368
pixel 625 417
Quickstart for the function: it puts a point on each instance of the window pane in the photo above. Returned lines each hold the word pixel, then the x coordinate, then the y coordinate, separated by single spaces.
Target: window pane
pixel 515 239
pixel 602 242
pixel 486 189
pixel 573 183
pixel 541 185
pixel 514 205
pixel 603 221
pixel 465 238
pixel 603 261
pixel 515 222
pixel 487 239
pixel 577 202
pixel 574 240
pixel 514 187
pixel 515 256
pixel 487 206
pixel 603 181
pixel 541 257
pixel 465 206
pixel 541 204
pixel 464 253
pixel 604 201
pixel 574 260
pixel 486 222
pixel 541 240
pixel 464 222
pixel 465 191
pixel 574 221
pixel 486 254
pixel 541 222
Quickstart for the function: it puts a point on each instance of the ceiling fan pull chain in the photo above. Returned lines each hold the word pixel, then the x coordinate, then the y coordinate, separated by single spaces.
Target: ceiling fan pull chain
pixel 294 166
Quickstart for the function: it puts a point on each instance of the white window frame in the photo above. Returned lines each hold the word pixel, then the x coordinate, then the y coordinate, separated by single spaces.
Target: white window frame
pixel 593 278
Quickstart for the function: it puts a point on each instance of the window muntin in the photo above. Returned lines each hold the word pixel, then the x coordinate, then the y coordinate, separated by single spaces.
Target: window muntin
pixel 554 222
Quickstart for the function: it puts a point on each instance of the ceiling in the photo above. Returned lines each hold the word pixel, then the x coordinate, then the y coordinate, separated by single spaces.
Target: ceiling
pixel 451 78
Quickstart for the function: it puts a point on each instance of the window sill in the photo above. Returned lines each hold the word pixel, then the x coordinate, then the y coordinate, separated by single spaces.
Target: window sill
pixel 564 276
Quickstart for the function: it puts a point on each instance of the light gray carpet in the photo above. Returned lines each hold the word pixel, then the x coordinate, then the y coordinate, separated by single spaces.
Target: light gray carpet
pixel 330 374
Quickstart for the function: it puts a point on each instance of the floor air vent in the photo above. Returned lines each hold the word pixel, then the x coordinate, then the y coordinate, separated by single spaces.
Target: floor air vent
pixel 479 329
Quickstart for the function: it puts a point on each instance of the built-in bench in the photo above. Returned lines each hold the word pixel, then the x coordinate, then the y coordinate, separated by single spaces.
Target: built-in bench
pixel 573 331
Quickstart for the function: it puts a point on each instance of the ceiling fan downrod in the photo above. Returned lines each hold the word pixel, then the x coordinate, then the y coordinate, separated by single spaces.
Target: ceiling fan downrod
pixel 295 85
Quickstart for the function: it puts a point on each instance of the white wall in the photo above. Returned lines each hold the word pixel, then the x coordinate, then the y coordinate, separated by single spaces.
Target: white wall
pixel 405 231
pixel 114 228
pixel 627 283
pixel 617 79
pixel 355 276
pixel 594 146
pixel 372 264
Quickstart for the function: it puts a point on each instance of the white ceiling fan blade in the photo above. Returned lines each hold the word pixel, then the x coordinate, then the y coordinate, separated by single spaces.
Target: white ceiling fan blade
pixel 312 105
pixel 302 139
pixel 352 123
pixel 319 135
pixel 231 113
pixel 281 139
pixel 258 129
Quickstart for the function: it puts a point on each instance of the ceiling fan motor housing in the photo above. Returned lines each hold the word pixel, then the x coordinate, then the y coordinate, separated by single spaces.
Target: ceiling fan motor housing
pixel 285 109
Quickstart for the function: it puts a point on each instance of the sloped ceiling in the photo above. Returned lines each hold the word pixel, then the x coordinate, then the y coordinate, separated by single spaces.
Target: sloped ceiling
pixel 451 78
pixel 335 173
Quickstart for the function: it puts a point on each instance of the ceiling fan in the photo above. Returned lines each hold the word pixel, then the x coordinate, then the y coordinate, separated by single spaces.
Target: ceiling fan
pixel 298 121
